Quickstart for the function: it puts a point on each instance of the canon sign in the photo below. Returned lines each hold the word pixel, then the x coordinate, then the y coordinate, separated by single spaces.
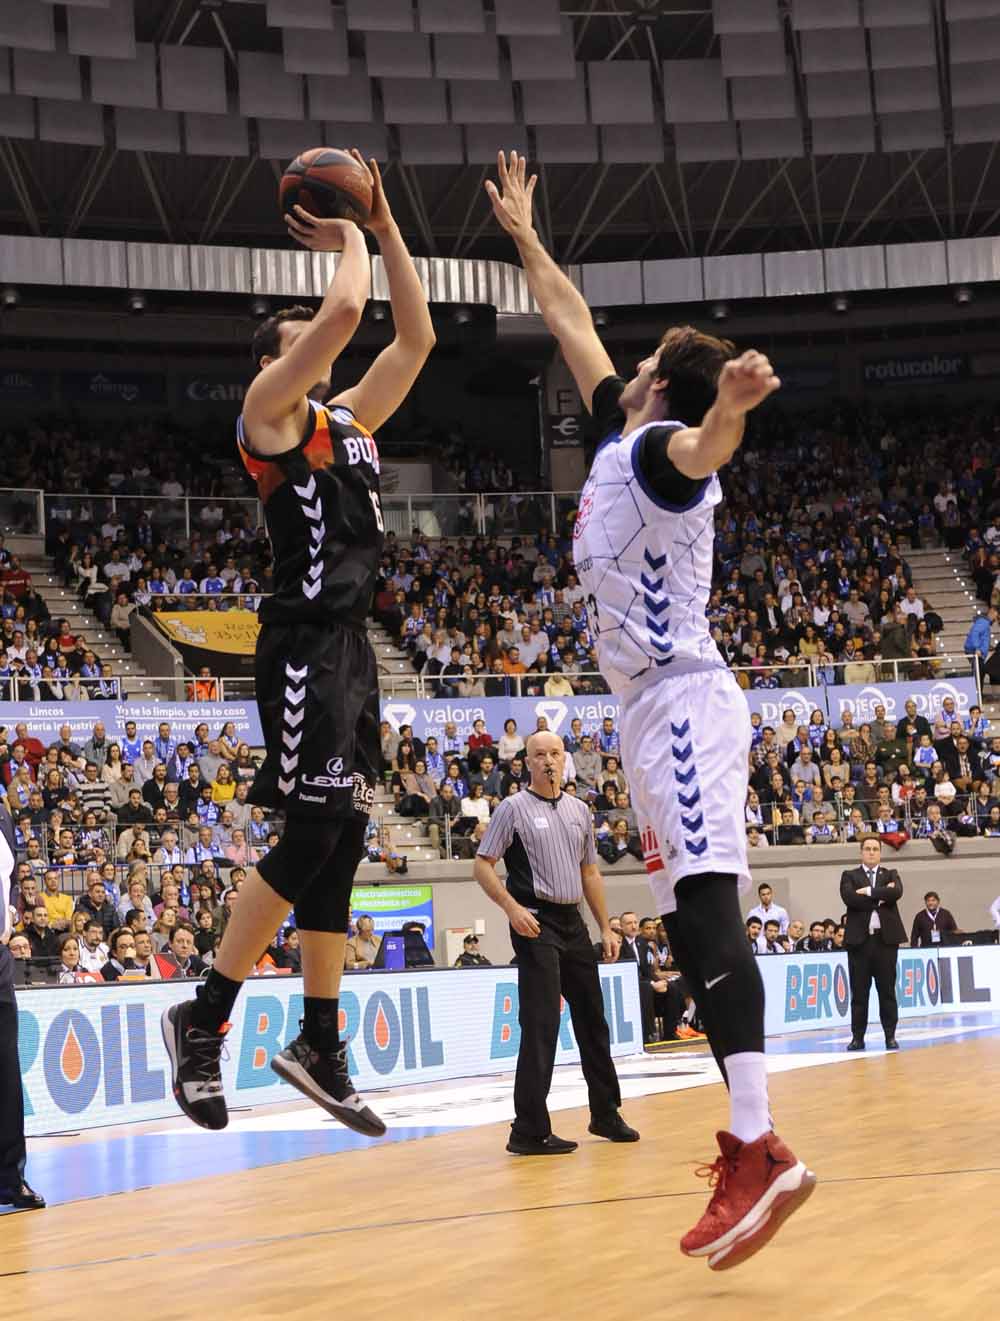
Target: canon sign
pixel 214 392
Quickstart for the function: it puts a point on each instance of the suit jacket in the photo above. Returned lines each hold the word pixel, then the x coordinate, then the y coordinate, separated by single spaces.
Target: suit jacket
pixel 923 926
pixel 627 955
pixel 947 752
pixel 861 906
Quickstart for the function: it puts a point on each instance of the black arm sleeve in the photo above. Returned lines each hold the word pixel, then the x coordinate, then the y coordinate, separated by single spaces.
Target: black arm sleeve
pixel 660 473
pixel 605 410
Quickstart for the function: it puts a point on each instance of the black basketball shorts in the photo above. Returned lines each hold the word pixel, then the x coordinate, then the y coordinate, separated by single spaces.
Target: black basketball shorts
pixel 317 692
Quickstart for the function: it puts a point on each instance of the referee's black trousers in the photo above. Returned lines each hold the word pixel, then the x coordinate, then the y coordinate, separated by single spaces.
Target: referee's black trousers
pixel 12 1148
pixel 559 962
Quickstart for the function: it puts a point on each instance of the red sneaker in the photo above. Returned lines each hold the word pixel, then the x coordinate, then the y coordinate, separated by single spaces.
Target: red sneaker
pixel 757 1186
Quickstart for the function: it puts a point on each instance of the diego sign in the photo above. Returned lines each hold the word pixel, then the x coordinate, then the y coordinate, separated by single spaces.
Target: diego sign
pixel 930 698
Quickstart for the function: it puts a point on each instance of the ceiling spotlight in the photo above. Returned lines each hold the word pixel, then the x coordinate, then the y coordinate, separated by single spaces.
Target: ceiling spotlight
pixel 719 311
pixel 463 315
pixel 841 304
pixel 260 308
pixel 601 318
pixel 379 312
pixel 137 304
pixel 962 295
pixel 10 296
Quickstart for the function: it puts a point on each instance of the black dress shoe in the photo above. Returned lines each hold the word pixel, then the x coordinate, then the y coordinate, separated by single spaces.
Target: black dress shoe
pixel 891 1044
pixel 519 1145
pixel 612 1127
pixel 22 1198
pixel 855 1044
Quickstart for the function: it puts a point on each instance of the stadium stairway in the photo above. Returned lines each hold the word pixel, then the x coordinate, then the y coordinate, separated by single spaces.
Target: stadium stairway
pixel 941 578
pixel 398 680
pixel 63 603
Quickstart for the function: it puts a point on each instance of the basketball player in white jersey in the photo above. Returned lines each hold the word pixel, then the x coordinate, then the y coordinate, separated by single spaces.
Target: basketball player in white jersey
pixel 643 551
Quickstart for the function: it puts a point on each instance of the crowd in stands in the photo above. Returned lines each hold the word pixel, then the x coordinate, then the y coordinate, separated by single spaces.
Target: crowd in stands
pixel 128 852
pixel 809 784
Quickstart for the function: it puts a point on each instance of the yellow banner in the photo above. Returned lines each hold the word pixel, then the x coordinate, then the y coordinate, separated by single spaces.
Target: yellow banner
pixel 231 631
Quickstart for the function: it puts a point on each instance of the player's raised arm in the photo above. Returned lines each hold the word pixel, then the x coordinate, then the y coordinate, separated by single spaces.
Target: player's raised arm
pixel 387 382
pixel 563 308
pixel 279 391
pixel 744 382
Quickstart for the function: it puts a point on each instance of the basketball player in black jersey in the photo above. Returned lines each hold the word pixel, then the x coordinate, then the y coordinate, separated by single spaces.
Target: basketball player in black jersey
pixel 316 468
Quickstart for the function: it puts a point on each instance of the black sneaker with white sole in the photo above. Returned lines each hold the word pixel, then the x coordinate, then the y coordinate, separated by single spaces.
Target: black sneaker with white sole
pixel 195 1066
pixel 325 1080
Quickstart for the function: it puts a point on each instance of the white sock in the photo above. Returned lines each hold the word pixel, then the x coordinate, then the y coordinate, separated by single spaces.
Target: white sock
pixel 749 1113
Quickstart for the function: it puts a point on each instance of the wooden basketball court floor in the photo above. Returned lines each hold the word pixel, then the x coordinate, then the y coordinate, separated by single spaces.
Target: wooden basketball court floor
pixel 903 1223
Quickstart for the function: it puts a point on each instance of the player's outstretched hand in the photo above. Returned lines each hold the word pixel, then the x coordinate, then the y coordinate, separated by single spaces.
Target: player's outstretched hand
pixel 381 216
pixel 746 381
pixel 512 206
pixel 317 234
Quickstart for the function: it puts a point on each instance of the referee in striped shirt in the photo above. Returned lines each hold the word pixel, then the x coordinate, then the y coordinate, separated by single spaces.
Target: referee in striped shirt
pixel 546 840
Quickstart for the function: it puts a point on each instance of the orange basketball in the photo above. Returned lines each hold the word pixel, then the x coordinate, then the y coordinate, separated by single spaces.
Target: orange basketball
pixel 329 184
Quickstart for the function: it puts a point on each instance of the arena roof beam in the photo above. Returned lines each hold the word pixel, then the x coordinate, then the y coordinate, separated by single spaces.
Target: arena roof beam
pixel 798 206
pixel 774 180
pixel 658 180
pixel 146 170
pixel 979 189
pixel 596 233
pixel 584 26
pixel 886 197
pixel 584 214
pixel 722 205
pixel 90 185
pixel 477 194
pixel 930 204
pixel 415 197
pixel 12 168
pixel 850 198
pixel 223 203
pixel 545 210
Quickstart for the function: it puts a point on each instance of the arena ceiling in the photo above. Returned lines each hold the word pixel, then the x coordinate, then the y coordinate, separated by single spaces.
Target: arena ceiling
pixel 664 127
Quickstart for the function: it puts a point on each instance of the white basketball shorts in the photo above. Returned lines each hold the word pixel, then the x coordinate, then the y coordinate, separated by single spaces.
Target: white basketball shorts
pixel 685 749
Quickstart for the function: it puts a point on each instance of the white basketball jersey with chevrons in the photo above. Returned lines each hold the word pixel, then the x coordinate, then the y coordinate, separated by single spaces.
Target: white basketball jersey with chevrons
pixel 646 567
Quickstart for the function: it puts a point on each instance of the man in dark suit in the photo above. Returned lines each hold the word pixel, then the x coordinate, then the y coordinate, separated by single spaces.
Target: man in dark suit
pixel 13 1189
pixel 636 950
pixel 871 894
pixel 961 760
pixel 933 925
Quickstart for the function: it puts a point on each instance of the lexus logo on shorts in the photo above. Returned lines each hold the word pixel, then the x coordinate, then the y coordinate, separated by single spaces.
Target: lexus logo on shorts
pixel 335 766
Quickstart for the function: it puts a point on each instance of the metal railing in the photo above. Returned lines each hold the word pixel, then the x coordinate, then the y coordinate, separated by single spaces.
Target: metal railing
pixel 426 687
pixel 32 512
pixel 942 665
pixel 478 514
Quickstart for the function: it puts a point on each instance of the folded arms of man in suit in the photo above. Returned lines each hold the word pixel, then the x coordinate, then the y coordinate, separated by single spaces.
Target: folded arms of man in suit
pixel 867 897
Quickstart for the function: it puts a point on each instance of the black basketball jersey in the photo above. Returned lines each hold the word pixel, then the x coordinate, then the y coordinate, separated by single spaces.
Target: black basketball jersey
pixel 324 518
